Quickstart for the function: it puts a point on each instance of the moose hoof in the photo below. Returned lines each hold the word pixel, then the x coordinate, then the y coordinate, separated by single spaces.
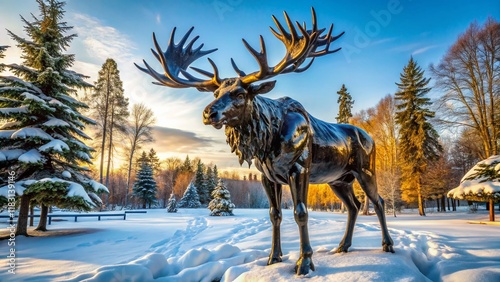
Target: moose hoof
pixel 388 248
pixel 342 249
pixel 303 266
pixel 273 260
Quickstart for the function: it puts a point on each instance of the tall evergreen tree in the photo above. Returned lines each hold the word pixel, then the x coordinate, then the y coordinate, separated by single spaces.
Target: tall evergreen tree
pixel 210 181
pixel 154 161
pixel 200 182
pixel 221 204
pixel 418 140
pixel 187 166
pixel 143 159
pixel 109 109
pixel 345 105
pixel 172 204
pixel 190 199
pixel 145 185
pixel 42 138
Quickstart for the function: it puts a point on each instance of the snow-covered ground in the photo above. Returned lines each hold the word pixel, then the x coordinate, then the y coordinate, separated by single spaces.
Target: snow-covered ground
pixel 191 246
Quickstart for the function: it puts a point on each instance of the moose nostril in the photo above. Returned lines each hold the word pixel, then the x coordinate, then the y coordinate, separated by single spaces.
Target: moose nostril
pixel 212 115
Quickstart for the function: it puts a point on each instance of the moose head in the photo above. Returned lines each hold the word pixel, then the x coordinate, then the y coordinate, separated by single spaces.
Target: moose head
pixel 233 96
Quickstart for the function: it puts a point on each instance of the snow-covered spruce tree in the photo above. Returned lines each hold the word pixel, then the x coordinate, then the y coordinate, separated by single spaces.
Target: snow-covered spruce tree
pixel 190 199
pixel 201 184
pixel 41 128
pixel 221 204
pixel 145 185
pixel 211 181
pixel 418 140
pixel 172 204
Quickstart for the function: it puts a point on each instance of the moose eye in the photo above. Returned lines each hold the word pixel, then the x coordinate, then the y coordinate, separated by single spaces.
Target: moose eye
pixel 216 94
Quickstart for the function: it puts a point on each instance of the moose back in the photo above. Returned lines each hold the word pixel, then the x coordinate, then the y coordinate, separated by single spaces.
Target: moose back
pixel 288 145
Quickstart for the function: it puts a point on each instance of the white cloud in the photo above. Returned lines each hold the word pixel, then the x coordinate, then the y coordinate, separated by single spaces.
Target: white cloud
pixel 423 49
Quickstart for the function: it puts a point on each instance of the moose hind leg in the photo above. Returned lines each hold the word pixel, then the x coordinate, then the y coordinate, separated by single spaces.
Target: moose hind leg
pixel 369 186
pixel 345 193
pixel 273 191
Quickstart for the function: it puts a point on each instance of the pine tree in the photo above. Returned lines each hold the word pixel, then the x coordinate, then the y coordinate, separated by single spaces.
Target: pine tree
pixel 42 138
pixel 345 105
pixel 190 199
pixel 109 109
pixel 186 166
pixel 210 181
pixel 221 204
pixel 418 140
pixel 172 204
pixel 142 159
pixel 145 185
pixel 2 55
pixel 154 161
pixel 200 182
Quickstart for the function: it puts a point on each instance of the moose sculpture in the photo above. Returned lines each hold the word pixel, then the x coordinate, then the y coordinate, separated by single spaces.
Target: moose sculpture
pixel 289 146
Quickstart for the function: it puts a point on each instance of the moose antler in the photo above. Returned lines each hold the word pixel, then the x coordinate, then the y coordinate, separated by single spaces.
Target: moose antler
pixel 298 49
pixel 176 59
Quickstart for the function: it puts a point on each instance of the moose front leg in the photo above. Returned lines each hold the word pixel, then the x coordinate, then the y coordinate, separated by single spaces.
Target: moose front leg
pixel 273 191
pixel 299 182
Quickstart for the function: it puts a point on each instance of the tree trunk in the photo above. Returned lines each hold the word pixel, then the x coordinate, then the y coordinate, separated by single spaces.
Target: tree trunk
pixel 22 220
pixel 443 204
pixel 104 129
pixel 492 210
pixel 132 151
pixel 421 210
pixel 437 205
pixel 144 204
pixel 110 147
pixel 42 224
pixel 32 212
pixel 366 205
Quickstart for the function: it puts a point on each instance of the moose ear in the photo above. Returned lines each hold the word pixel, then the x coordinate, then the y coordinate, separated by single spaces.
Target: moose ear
pixel 262 88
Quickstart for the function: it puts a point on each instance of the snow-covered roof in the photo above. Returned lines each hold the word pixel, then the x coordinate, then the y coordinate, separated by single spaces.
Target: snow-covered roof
pixel 475 185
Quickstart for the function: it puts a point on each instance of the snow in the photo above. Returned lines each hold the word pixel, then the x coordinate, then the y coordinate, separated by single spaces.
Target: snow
pixel 27 132
pixel 6 134
pixel 9 111
pixel 29 96
pixel 190 245
pixel 22 82
pixel 98 187
pixel 7 155
pixel 74 189
pixel 19 187
pixel 56 145
pixel 478 186
pixel 32 156
pixel 56 122
pixel 66 174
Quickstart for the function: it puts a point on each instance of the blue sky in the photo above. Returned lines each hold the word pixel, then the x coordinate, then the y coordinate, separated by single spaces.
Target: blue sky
pixel 380 38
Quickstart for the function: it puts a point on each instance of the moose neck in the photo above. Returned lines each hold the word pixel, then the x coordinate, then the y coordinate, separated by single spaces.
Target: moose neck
pixel 254 136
